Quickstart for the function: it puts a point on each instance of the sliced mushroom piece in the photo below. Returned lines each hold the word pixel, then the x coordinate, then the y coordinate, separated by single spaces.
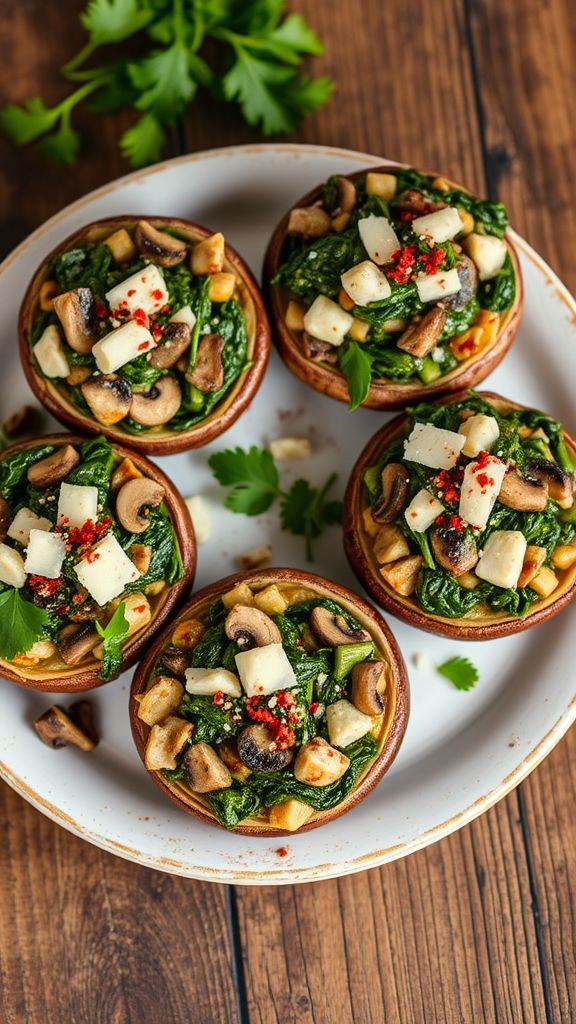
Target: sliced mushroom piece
pixel 75 311
pixel 176 661
pixel 205 772
pixel 26 420
pixel 56 729
pixel 75 642
pixel 158 405
pixel 468 277
pixel 395 480
pixel 109 397
pixel 318 351
pixel 250 627
pixel 134 501
pixel 257 749
pixel 82 714
pixel 422 336
pixel 560 483
pixel 83 608
pixel 208 371
pixel 369 681
pixel 345 201
pixel 159 246
pixel 124 472
pixel 521 493
pixel 5 518
pixel 454 550
pixel 175 341
pixel 53 468
pixel 333 630
pixel 416 202
pixel 308 222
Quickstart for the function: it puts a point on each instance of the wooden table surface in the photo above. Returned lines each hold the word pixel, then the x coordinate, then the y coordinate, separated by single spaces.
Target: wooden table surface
pixel 480 927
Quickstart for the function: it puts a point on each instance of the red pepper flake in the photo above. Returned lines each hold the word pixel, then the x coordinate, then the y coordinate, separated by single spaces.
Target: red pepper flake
pixel 157 294
pixel 282 851
pixel 141 317
pixel 43 586
pixel 448 484
pixel 285 699
pixel 143 346
pixel 156 332
pixel 484 480
pixel 92 556
pixel 89 532
pixel 165 309
pixel 284 736
pixel 100 310
pixel 131 291
pixel 432 262
pixel 407 216
pixel 218 698
pixel 313 707
pixel 404 259
pixel 140 608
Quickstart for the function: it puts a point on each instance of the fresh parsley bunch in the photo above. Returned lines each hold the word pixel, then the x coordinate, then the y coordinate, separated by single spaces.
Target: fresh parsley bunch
pixel 253 476
pixel 255 58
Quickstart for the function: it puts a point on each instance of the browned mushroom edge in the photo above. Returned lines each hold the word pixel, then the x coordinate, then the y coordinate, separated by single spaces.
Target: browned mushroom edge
pixel 361 541
pixel 272 588
pixel 81 403
pixel 76 667
pixel 310 359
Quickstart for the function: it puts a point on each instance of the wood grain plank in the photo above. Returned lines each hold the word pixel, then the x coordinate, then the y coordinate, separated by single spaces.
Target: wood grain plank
pixel 87 937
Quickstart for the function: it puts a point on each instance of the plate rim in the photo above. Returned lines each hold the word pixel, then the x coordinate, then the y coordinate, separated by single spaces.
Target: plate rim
pixel 375 858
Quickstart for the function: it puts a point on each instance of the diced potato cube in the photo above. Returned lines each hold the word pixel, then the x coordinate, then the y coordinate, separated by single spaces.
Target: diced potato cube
pixel 141 555
pixel 467 221
pixel 221 287
pixel 284 448
pixel 468 580
pixel 533 560
pixel 308 221
pixel 77 375
pixel 487 252
pixel 319 764
pixel 24 521
pixel 344 300
pixel 346 724
pixel 161 700
pixel 564 556
pixel 481 433
pixel 187 633
pixel 121 246
pixel 340 221
pixel 165 742
pixel 290 815
pixel 137 612
pixel 294 316
pixel 383 185
pixel 153 589
pixel 208 256
pixel 238 595
pixel 402 575
pixel 390 544
pixel 123 473
pixel 294 595
pixel 545 582
pixel 371 527
pixel 12 571
pixel 50 353
pixel 271 600
pixel 228 754
pixel 360 329
pixel 468 344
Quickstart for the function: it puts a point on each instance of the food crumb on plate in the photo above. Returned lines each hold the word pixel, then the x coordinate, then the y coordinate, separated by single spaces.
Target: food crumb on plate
pixel 420 662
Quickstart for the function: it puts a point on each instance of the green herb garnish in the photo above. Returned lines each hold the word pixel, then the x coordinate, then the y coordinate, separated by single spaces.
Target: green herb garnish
pixel 21 624
pixel 460 671
pixel 113 636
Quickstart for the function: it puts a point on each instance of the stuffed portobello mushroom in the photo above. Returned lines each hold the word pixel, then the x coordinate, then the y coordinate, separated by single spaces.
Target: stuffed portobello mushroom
pixel 461 518
pixel 96 551
pixel 392 285
pixel 274 705
pixel 151 331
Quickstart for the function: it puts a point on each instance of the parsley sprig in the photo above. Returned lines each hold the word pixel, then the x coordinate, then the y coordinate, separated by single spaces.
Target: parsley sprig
pixel 460 671
pixel 21 624
pixel 253 475
pixel 113 636
pixel 255 54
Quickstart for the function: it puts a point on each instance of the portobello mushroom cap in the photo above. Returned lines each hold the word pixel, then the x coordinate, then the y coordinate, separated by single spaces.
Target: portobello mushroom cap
pixel 395 480
pixel 53 468
pixel 522 493
pixel 5 518
pixel 158 405
pixel 257 749
pixel 468 276
pixel 454 550
pixel 208 371
pixel 109 397
pixel 159 246
pixel 75 311
pixel 423 335
pixel 560 483
pixel 250 627
pixel 56 729
pixel 205 771
pixel 134 501
pixel 75 642
pixel 369 681
pixel 333 630
pixel 175 341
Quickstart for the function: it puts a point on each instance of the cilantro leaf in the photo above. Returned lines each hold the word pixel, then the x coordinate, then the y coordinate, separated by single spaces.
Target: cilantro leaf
pixel 61 146
pixel 460 671
pixel 304 512
pixel 294 32
pixel 21 624
pixel 143 142
pixel 164 81
pixel 356 365
pixel 113 636
pixel 111 21
pixel 24 124
pixel 252 475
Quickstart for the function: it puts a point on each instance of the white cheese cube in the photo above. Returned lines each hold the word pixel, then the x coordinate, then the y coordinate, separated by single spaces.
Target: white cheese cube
pixel 432 287
pixel 378 238
pixel 264 670
pixel 120 346
pixel 345 723
pixel 286 448
pixel 480 488
pixel 45 554
pixel 51 354
pixel 24 521
pixel 105 570
pixel 146 289
pixel 76 504
pixel 204 682
pixel 433 447
pixel 481 432
pixel 440 226
pixel 487 252
pixel 200 518
pixel 184 315
pixel 327 321
pixel 501 560
pixel 12 571
pixel 364 283
pixel 422 511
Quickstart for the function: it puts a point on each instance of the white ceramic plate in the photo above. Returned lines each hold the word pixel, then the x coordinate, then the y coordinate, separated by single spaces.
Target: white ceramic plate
pixel 463 751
